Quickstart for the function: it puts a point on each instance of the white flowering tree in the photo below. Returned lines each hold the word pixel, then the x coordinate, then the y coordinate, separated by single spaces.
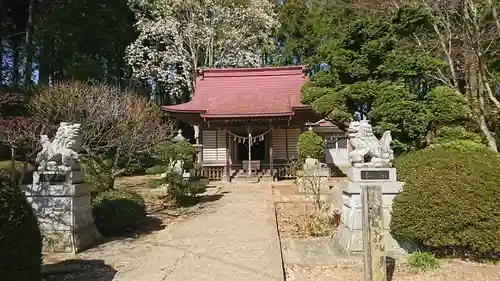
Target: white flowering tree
pixel 178 36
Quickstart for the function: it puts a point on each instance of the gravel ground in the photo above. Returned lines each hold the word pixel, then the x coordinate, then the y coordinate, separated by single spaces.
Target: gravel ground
pixel 289 206
pixel 449 271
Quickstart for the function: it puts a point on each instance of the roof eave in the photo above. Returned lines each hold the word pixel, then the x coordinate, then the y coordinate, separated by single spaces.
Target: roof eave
pixel 246 115
pixel 302 107
pixel 175 110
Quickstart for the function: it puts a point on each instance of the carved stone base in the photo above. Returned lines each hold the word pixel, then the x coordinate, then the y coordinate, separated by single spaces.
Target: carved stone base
pixel 350 229
pixel 61 203
pixel 372 174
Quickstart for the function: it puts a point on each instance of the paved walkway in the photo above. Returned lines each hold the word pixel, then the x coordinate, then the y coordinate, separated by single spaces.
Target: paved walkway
pixel 236 240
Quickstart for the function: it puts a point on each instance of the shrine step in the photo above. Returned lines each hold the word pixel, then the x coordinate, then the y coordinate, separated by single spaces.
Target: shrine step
pixel 242 176
pixel 253 179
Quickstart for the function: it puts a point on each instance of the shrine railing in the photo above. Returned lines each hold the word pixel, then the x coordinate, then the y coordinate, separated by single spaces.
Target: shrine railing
pixel 284 172
pixel 213 173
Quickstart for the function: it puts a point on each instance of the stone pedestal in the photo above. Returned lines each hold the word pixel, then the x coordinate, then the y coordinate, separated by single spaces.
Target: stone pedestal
pixel 350 228
pixel 61 202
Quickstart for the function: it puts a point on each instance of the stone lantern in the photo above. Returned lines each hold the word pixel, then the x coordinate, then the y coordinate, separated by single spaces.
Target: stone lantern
pixel 178 165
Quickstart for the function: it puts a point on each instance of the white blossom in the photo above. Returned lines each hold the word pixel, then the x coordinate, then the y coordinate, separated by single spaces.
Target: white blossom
pixel 178 36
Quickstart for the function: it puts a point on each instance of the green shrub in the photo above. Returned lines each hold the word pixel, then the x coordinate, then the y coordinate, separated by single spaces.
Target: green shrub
pixel 311 145
pixel 138 164
pixel 184 189
pixel 20 238
pixel 115 211
pixel 449 204
pixel 462 145
pixel 177 151
pixel 456 132
pixel 180 189
pixel 99 177
pixel 156 170
pixel 422 261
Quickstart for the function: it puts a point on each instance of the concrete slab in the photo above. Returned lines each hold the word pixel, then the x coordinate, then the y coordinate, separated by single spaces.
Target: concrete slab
pixel 321 251
pixel 236 240
pixel 195 267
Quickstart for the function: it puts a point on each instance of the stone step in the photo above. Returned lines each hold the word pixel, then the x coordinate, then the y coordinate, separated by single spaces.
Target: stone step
pixel 246 179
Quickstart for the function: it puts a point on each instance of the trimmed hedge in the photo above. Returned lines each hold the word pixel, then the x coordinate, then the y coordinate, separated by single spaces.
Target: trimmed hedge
pixel 462 145
pixel 115 211
pixel 311 145
pixel 450 202
pixel 20 238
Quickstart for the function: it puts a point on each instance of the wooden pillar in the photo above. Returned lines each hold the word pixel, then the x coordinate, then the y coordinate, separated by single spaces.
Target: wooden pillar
pixel 286 144
pixel 373 237
pixel 200 160
pixel 228 158
pixel 249 168
pixel 271 154
pixel 234 149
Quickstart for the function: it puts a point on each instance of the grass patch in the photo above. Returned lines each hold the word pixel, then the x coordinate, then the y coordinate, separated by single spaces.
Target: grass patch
pixel 422 261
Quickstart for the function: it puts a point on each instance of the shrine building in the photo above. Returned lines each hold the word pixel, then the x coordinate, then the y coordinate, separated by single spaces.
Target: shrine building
pixel 248 120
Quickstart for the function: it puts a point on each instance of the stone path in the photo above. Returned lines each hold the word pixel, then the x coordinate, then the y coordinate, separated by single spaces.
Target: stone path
pixel 237 240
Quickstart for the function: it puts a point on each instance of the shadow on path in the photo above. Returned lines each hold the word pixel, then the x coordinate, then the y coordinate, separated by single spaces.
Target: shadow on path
pixel 78 270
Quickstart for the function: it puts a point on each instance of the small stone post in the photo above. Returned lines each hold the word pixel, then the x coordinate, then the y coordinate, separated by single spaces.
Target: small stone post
pixel 373 245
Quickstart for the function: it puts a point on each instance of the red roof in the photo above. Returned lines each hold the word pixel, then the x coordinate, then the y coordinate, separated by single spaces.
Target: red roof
pixel 245 92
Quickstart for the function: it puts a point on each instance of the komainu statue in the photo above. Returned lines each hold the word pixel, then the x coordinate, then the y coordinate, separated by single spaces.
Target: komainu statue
pixel 61 153
pixel 368 151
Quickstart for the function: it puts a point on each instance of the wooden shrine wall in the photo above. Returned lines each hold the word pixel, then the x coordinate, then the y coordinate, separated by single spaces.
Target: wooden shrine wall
pixel 214 146
pixel 285 143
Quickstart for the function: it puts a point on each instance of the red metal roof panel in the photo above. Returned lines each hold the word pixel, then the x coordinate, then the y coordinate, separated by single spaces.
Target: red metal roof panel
pixel 252 92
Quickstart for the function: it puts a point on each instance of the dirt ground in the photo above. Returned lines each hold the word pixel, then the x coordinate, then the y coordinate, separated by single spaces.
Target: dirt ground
pixel 290 205
pixel 292 208
pixel 449 271
pixel 289 215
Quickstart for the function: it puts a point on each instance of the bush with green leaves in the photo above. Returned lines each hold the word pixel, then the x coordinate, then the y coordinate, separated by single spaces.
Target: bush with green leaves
pixel 182 189
pixel 169 153
pixel 311 145
pixel 20 238
pixel 449 205
pixel 422 261
pixel 178 187
pixel 461 145
pixel 117 210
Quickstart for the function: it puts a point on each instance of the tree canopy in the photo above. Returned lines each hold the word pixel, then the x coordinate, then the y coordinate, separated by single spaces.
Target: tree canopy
pixel 413 67
pixel 367 63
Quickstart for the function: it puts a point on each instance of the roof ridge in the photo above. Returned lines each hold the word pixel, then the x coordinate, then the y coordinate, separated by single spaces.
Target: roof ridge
pixel 247 69
pixel 218 75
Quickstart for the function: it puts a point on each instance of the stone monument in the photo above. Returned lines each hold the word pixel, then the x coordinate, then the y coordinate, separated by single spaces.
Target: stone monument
pixel 313 173
pixel 371 161
pixel 59 196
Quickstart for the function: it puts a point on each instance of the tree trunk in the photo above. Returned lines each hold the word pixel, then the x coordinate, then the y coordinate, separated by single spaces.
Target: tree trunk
pixel 28 46
pixel 1 41
pixel 15 62
pixel 492 143
pixel 12 163
pixel 476 90
pixel 111 183
pixel 44 69
pixel 1 51
pixel 24 171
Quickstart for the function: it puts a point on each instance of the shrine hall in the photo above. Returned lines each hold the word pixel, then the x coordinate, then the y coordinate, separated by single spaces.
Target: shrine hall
pixel 247 120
